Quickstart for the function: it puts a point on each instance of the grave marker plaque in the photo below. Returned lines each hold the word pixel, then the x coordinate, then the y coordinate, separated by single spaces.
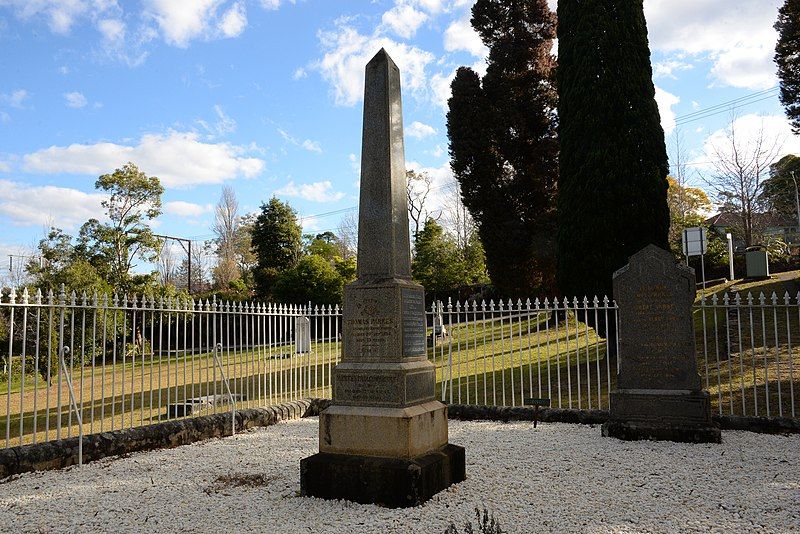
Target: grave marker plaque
pixel 658 393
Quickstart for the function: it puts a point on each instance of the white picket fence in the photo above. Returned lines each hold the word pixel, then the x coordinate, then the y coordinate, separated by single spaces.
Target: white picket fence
pixel 86 364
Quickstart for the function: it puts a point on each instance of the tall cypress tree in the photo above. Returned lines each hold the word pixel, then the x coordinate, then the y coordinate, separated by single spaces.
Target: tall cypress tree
pixel 503 145
pixel 787 56
pixel 612 184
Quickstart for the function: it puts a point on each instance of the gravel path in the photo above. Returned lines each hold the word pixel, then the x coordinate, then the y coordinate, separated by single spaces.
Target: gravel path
pixel 559 478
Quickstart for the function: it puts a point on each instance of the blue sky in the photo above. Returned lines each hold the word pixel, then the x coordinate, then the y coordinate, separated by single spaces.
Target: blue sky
pixel 265 96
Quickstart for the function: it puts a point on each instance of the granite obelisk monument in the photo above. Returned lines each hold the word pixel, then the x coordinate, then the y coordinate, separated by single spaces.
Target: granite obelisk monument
pixel 659 394
pixel 384 438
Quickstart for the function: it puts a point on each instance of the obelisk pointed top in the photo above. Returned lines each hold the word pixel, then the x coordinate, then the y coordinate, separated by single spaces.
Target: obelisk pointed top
pixel 383 238
pixel 381 57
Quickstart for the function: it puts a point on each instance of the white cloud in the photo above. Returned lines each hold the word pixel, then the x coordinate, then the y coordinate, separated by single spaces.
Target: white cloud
pixel 666 69
pixel 775 129
pixel 734 35
pixel 749 68
pixel 75 99
pixel 299 73
pixel 16 99
pixel 312 146
pixel 181 21
pixel 272 5
pixel 113 30
pixel 179 159
pixel 28 205
pixel 234 20
pixel 460 35
pixel 314 192
pixel 60 15
pixel 403 20
pixel 308 144
pixel 440 87
pixel 224 124
pixel 347 52
pixel 186 209
pixel 420 130
pixel 665 101
pixel 4 166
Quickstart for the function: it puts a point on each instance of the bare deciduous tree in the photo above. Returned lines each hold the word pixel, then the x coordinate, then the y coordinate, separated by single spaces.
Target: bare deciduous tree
pixel 167 266
pixel 226 224
pixel 347 235
pixel 456 219
pixel 418 187
pixel 741 162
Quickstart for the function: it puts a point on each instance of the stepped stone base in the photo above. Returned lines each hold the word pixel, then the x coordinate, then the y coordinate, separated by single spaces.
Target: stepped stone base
pixel 661 415
pixel 391 482
pixel 385 432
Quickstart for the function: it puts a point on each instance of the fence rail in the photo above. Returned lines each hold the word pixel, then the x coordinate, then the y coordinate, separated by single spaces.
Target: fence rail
pixel 135 361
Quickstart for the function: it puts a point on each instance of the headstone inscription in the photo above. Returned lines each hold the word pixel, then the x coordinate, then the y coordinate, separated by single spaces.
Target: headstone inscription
pixel 384 438
pixel 658 393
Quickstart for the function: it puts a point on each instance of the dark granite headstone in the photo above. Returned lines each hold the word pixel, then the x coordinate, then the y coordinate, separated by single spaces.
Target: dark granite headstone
pixel 658 393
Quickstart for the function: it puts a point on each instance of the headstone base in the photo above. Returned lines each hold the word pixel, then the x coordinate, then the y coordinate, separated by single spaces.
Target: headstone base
pixel 661 415
pixel 680 434
pixel 391 482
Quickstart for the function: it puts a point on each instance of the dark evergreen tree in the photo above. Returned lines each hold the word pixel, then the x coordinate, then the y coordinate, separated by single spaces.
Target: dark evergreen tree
pixel 778 191
pixel 787 56
pixel 613 169
pixel 503 144
pixel 277 242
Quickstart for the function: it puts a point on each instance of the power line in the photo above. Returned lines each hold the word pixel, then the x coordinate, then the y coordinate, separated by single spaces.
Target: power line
pixel 716 110
pixel 729 102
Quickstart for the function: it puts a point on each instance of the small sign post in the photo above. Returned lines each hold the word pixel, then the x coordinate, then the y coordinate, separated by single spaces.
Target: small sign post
pixel 695 243
pixel 729 237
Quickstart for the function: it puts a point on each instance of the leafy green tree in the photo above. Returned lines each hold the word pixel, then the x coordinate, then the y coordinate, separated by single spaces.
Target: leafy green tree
pixel 62 263
pixel 475 261
pixel 346 267
pixel 438 264
pixel 313 279
pixel 787 56
pixel 503 143
pixel 687 206
pixel 113 247
pixel 277 243
pixel 778 191
pixel 324 244
pixel 612 185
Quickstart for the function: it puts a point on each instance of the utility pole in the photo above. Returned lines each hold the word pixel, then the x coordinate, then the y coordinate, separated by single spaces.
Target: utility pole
pixel 188 250
pixel 796 200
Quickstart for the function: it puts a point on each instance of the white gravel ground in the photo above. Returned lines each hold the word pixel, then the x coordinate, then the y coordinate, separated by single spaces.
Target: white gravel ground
pixel 558 478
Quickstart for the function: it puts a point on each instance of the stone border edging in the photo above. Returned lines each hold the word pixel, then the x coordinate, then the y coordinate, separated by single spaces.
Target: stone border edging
pixel 64 453
pixel 468 412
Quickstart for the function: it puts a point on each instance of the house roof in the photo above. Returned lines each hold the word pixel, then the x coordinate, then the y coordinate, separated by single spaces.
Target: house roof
pixel 726 219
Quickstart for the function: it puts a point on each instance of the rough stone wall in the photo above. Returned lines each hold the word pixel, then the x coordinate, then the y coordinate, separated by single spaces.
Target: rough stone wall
pixel 763 425
pixel 64 453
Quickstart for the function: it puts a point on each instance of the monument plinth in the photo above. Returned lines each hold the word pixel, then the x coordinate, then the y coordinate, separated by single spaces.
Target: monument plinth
pixel 384 438
pixel 658 393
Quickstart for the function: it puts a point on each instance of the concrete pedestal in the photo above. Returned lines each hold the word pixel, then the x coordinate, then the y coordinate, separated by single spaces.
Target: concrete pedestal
pixel 392 482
